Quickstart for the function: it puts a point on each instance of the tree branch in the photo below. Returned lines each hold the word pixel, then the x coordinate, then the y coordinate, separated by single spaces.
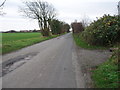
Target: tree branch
pixel 3 3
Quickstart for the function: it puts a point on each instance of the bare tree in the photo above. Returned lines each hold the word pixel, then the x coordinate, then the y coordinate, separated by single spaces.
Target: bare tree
pixel 85 21
pixel 2 3
pixel 1 7
pixel 42 11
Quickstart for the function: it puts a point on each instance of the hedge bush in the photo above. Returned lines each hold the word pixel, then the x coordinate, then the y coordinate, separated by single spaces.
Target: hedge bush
pixel 105 31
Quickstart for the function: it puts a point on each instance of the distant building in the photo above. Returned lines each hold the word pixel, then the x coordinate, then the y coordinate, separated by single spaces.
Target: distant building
pixel 77 27
pixel 119 8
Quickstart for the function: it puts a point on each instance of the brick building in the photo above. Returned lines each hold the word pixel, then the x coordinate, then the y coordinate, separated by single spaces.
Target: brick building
pixel 77 27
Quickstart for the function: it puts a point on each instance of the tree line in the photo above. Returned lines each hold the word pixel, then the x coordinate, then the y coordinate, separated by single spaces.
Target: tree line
pixel 45 14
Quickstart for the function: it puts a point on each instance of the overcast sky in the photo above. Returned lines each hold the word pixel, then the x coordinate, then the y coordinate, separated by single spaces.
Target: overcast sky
pixel 68 11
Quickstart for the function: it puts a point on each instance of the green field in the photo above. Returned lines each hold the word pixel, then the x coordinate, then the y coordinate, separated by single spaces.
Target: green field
pixel 15 41
pixel 7 37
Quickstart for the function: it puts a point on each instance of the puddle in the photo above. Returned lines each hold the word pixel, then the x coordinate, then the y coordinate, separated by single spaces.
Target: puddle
pixel 12 64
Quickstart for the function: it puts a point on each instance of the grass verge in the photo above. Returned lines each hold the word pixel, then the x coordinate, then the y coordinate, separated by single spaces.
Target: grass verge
pixel 106 75
pixel 16 44
pixel 81 43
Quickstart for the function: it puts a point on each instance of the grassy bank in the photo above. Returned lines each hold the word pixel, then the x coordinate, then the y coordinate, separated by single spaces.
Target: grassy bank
pixel 81 43
pixel 106 75
pixel 15 41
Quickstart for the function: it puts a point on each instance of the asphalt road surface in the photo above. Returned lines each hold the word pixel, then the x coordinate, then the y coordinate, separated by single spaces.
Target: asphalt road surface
pixel 50 64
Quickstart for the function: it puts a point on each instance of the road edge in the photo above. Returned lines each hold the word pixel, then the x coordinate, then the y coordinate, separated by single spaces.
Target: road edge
pixel 80 81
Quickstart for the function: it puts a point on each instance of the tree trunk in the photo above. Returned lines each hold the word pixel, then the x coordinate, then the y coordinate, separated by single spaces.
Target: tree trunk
pixel 45 32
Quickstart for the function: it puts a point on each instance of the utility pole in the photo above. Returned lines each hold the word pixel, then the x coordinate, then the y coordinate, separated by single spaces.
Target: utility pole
pixel 119 8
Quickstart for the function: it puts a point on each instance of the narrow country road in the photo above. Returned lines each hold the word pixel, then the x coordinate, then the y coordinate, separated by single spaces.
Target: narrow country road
pixel 50 64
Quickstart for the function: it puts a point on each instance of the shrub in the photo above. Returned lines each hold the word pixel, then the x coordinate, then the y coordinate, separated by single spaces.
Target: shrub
pixel 104 31
pixel 59 27
pixel 56 26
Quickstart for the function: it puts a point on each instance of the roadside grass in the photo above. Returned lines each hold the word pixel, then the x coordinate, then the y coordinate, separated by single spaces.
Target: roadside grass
pixel 81 43
pixel 15 41
pixel 106 75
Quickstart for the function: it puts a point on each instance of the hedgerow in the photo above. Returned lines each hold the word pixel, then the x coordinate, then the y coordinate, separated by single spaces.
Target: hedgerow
pixel 105 31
